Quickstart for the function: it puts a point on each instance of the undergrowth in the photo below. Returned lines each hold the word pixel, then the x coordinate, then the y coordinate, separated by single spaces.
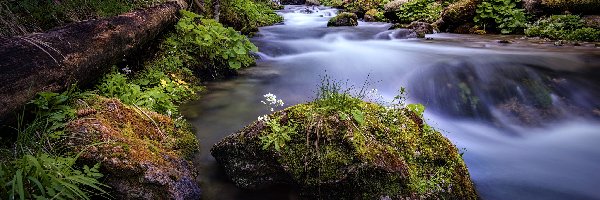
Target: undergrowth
pixel 501 15
pixel 563 27
pixel 207 48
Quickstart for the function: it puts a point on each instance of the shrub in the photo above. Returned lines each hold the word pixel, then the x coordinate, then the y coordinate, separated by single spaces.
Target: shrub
pixel 47 177
pixel 209 45
pixel 569 27
pixel 374 15
pixel 360 7
pixel 161 96
pixel 332 3
pixel 247 15
pixel 419 10
pixel 502 15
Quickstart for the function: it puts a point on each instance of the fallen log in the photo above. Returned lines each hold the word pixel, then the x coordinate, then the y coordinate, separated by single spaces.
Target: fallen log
pixel 78 53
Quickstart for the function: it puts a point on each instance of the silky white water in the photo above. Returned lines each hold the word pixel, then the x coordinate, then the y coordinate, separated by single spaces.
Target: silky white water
pixel 526 119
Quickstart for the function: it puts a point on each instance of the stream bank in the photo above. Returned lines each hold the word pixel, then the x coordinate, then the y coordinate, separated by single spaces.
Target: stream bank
pixel 553 159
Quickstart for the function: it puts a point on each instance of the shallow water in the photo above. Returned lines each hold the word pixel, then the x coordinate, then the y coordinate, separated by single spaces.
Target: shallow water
pixel 526 117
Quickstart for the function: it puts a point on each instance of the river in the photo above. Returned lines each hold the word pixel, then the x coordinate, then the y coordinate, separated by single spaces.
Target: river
pixel 525 116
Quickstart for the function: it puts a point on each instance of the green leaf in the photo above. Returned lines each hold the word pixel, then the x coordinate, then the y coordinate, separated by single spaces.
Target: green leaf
pixel 234 64
pixel 358 116
pixel 418 108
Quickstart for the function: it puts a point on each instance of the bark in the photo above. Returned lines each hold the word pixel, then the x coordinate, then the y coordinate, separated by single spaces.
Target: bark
pixel 79 53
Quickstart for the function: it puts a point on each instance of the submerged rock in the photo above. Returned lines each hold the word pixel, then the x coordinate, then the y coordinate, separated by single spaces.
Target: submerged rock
pixel 356 151
pixel 141 152
pixel 344 19
pixel 415 29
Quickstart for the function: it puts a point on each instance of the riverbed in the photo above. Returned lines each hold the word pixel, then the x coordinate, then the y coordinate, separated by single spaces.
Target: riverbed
pixel 525 114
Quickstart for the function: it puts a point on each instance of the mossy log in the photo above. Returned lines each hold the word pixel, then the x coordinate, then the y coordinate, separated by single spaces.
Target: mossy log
pixel 78 53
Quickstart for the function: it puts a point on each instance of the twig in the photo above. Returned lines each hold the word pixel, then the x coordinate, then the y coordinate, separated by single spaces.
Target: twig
pixel 154 122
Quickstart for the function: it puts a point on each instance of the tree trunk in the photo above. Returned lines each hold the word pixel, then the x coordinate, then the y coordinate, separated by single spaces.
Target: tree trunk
pixel 79 53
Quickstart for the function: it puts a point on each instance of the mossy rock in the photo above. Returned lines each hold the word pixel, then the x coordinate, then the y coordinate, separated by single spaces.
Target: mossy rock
pixel 539 7
pixel 344 19
pixel 457 15
pixel 141 152
pixel 369 152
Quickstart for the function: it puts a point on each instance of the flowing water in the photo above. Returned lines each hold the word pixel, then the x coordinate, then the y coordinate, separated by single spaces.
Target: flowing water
pixel 527 118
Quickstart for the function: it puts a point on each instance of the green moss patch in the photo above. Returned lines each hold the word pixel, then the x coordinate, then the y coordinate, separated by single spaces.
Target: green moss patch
pixel 345 148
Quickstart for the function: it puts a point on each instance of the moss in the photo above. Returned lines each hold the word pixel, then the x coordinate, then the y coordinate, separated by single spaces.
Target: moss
pixel 457 14
pixel 344 19
pixel 130 134
pixel 391 153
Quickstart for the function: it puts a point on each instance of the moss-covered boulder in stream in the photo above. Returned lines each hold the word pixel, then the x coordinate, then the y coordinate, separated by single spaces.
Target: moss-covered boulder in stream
pixel 142 153
pixel 344 19
pixel 341 147
pixel 458 16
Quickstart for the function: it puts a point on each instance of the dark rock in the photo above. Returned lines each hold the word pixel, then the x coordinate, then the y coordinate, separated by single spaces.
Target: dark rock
pixel 457 15
pixel 368 153
pixel 421 28
pixel 538 7
pixel 312 3
pixel 503 41
pixel 592 21
pixel 292 2
pixel 344 19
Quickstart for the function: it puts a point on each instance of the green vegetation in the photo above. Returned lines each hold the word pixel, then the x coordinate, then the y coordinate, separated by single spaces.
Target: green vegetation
pixel 207 47
pixel 247 15
pixel 141 125
pixel 419 10
pixel 343 19
pixel 502 15
pixel 350 148
pixel 332 3
pixel 360 7
pixel 48 177
pixel 25 16
pixel 563 27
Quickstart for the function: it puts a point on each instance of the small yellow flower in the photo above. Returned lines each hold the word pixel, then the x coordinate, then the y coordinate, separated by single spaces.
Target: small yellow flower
pixel 173 75
pixel 163 82
pixel 181 82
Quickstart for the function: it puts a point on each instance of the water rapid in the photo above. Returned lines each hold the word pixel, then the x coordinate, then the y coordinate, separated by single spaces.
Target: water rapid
pixel 527 118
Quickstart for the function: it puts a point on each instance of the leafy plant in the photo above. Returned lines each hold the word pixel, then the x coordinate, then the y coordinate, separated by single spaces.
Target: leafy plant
pixel 362 6
pixel 209 44
pixel 278 134
pixel 568 27
pixel 46 177
pixel 153 89
pixel 502 15
pixel 247 15
pixel 51 111
pixel 419 10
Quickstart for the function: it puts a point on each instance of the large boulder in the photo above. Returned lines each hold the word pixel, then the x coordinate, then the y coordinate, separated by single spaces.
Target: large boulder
pixel 141 152
pixel 457 15
pixel 357 150
pixel 392 8
pixel 560 6
pixel 344 19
